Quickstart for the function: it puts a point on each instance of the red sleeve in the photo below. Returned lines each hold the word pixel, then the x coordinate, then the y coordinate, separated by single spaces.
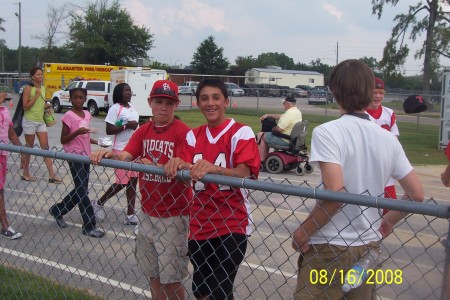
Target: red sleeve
pixel 393 120
pixel 247 153
pixel 182 145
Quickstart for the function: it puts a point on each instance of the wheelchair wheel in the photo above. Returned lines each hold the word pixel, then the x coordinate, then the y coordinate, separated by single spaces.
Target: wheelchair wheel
pixel 262 167
pixel 300 170
pixel 274 164
pixel 309 168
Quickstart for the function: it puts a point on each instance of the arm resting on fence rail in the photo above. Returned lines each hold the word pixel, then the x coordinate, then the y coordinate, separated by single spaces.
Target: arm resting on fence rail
pixel 413 190
pixel 323 211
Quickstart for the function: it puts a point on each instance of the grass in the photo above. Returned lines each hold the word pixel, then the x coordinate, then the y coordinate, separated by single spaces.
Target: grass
pixel 420 145
pixel 18 284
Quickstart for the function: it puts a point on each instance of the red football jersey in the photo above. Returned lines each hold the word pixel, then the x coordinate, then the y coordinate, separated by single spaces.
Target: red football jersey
pixel 447 151
pixel 161 196
pixel 217 210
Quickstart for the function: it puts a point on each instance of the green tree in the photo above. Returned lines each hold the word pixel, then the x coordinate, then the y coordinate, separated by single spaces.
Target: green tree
pixel 243 64
pixel 209 59
pixel 275 59
pixel 106 34
pixel 426 17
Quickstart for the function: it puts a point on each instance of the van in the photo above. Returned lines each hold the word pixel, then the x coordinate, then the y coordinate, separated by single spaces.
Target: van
pixel 188 87
pixel 141 82
pixel 97 96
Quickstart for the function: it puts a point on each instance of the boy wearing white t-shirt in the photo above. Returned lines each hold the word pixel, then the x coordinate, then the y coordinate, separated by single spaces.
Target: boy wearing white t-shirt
pixel 350 152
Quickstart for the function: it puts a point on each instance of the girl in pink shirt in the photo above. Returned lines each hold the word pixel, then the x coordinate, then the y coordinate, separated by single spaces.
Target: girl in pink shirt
pixel 7 133
pixel 76 139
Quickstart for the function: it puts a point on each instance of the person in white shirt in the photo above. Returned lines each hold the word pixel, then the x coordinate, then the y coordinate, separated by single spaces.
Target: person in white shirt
pixel 122 120
pixel 351 153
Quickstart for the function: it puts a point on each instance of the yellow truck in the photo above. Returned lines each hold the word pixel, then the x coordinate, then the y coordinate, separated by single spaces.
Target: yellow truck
pixel 59 75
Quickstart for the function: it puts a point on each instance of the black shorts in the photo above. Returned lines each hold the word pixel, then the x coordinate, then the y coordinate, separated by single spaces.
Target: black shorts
pixel 216 262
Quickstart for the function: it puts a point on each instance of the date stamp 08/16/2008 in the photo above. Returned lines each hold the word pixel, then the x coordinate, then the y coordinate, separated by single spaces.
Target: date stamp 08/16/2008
pixel 378 276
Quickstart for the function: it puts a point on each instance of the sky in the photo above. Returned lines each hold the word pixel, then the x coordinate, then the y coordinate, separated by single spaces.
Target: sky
pixel 302 29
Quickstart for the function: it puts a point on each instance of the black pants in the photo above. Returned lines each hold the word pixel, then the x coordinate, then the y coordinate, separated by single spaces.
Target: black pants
pixel 79 195
pixel 216 262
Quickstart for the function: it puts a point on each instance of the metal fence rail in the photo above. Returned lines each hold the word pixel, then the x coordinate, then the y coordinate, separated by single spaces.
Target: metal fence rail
pixel 107 267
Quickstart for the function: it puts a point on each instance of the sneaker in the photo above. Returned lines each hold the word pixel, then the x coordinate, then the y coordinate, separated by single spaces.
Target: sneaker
pixel 98 211
pixel 10 233
pixel 94 233
pixel 131 220
pixel 59 220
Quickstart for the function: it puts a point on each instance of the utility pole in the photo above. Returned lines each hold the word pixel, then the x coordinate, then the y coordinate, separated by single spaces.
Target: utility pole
pixel 337 53
pixel 19 16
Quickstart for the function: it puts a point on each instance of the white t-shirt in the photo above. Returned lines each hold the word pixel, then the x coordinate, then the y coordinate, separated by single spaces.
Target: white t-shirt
pixel 115 113
pixel 359 147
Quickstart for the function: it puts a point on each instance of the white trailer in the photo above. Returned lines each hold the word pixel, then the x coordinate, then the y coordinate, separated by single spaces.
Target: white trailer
pixel 141 82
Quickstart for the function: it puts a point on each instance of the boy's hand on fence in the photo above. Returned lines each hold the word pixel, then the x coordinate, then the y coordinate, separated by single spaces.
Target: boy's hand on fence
pixel 201 168
pixel 174 165
pixel 97 156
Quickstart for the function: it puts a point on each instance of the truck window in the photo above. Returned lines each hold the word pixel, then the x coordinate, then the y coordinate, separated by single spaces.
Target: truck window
pixel 95 86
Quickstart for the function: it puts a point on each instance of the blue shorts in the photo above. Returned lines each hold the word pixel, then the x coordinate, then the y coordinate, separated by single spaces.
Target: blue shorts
pixel 271 139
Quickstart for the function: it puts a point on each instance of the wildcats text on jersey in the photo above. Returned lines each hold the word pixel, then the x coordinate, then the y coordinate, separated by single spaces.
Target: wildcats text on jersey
pixel 161 146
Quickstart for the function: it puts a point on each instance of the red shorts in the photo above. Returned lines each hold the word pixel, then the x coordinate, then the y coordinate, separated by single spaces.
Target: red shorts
pixel 389 192
pixel 124 176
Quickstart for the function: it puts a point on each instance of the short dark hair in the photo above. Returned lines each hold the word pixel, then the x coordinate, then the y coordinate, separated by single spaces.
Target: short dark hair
pixel 352 83
pixel 214 82
pixel 77 89
pixel 118 91
pixel 34 70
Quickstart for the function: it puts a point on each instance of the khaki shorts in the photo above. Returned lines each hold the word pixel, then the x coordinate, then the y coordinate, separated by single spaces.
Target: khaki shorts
pixel 31 127
pixel 161 248
pixel 330 258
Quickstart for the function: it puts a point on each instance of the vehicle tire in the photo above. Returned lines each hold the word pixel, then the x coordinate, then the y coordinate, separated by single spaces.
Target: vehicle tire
pixel 193 92
pixel 56 105
pixel 93 108
pixel 300 170
pixel 274 164
pixel 309 168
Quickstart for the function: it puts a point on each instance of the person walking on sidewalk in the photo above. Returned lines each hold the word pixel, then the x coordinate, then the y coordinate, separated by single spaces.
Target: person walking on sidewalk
pixel 7 134
pixel 76 139
pixel 121 121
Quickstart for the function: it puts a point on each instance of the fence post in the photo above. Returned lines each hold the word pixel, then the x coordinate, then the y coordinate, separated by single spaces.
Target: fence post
pixel 445 276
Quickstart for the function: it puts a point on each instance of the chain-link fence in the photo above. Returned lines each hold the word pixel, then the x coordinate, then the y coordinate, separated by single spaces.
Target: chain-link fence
pixel 106 267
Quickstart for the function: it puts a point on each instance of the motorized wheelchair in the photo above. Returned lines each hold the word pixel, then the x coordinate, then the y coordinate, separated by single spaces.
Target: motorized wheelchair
pixel 292 156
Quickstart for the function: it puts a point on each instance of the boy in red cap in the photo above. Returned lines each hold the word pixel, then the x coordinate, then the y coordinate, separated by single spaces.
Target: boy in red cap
pixel 161 248
pixel 385 117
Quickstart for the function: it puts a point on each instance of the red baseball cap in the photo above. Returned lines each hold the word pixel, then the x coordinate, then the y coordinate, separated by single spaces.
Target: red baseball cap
pixel 165 89
pixel 379 84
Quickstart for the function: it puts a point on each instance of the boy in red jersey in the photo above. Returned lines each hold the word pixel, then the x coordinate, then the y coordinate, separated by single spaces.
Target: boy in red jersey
pixel 161 241
pixel 384 117
pixel 220 215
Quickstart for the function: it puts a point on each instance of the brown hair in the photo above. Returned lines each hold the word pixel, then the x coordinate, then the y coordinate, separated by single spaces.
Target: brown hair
pixel 352 84
pixel 34 70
